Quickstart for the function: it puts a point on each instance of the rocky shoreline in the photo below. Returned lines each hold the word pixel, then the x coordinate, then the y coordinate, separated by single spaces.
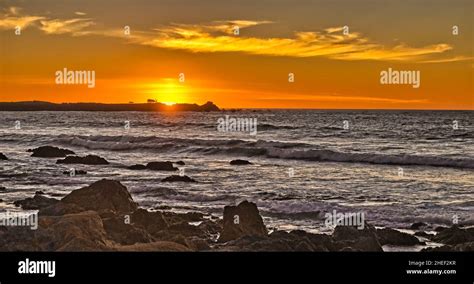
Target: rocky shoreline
pixel 104 217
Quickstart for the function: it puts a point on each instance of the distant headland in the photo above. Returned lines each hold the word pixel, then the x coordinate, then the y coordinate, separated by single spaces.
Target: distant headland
pixel 150 106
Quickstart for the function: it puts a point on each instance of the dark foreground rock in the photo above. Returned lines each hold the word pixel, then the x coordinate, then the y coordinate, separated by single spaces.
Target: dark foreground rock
pixel 104 217
pixel 177 178
pixel 242 220
pixel 102 196
pixel 37 202
pixel 50 152
pixel 240 162
pixel 389 236
pixel 350 238
pixel 3 157
pixel 87 160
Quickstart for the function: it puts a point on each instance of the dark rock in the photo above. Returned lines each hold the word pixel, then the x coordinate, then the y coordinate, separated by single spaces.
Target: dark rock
pixel 389 236
pixel 424 234
pixel 161 166
pixel 137 167
pixel 73 232
pixel 39 192
pixel 60 208
pixel 418 225
pixel 242 220
pixel 152 222
pixel 181 163
pixel 103 195
pixel 360 240
pixel 175 178
pixel 3 157
pixel 155 246
pixel 50 152
pixel 87 160
pixel 76 172
pixel 35 203
pixel 2 188
pixel 126 234
pixel 454 236
pixel 440 229
pixel 240 162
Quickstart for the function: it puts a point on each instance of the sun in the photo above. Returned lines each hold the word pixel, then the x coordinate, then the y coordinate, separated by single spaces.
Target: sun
pixel 168 91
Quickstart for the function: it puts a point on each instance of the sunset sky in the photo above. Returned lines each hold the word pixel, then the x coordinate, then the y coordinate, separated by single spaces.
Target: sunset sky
pixel 248 70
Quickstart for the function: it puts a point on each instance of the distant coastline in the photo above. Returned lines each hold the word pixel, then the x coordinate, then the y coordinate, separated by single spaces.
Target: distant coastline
pixel 155 106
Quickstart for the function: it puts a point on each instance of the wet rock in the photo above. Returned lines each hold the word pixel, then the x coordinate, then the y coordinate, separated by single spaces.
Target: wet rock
pixel 73 232
pixel 137 167
pixel 50 152
pixel 181 163
pixel 87 160
pixel 2 188
pixel 424 234
pixel 152 222
pixel 389 236
pixel 161 166
pixel 360 240
pixel 454 236
pixel 240 162
pixel 126 234
pixel 177 178
pixel 60 208
pixel 418 225
pixel 155 246
pixel 35 203
pixel 440 229
pixel 103 195
pixel 242 220
pixel 3 157
pixel 75 172
pixel 39 192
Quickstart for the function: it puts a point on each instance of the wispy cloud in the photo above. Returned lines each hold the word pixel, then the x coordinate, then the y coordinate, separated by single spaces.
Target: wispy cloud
pixel 11 18
pixel 72 26
pixel 218 36
pixel 330 43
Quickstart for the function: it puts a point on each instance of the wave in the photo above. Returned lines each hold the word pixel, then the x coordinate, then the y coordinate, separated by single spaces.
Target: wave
pixel 268 149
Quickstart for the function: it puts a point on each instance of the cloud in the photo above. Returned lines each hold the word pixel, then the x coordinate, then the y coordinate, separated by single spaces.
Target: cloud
pixel 329 43
pixel 11 18
pixel 218 36
pixel 72 26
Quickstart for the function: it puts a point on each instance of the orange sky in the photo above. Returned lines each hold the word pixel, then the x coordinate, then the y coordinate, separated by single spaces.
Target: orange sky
pixel 249 70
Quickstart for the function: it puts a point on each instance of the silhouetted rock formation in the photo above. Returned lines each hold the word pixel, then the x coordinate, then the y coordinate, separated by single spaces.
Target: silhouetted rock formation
pixel 37 202
pixel 240 162
pixel 389 236
pixel 102 196
pixel 87 160
pixel 155 166
pixel 3 157
pixel 175 178
pixel 50 152
pixel 47 106
pixel 242 220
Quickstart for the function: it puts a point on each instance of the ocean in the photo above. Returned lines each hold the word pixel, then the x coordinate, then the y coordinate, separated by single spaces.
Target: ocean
pixel 397 167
